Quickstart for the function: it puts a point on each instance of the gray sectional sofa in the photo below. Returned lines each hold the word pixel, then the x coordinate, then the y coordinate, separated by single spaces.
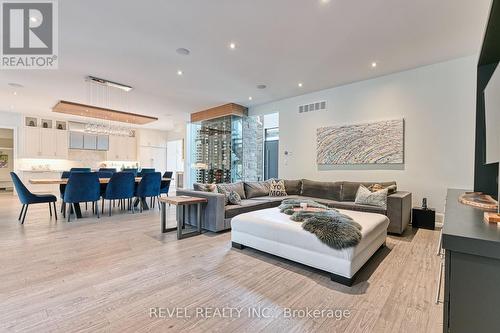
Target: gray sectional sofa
pixel 217 216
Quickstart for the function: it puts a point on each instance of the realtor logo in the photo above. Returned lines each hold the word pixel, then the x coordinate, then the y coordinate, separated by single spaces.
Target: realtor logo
pixel 29 34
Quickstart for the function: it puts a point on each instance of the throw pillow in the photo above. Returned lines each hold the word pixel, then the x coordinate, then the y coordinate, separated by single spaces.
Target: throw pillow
pixel 365 197
pixel 237 187
pixel 204 187
pixel 234 198
pixel 277 189
pixel 257 189
pixel 223 191
pixel 378 187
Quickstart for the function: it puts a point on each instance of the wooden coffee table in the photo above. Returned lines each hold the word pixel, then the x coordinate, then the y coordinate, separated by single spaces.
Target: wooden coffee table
pixel 181 202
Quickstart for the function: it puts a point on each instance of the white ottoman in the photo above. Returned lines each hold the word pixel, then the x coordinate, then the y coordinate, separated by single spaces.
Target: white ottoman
pixel 271 231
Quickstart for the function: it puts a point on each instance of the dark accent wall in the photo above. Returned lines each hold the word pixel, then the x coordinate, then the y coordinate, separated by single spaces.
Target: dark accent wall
pixel 485 175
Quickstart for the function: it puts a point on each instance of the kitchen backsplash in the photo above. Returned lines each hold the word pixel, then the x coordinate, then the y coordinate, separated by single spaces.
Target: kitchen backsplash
pixel 77 158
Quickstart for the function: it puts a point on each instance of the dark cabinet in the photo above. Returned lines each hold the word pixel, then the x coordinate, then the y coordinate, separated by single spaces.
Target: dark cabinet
pixel 472 269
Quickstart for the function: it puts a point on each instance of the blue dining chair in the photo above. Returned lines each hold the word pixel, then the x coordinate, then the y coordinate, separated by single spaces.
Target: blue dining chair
pixel 165 184
pixel 27 198
pixel 121 187
pixel 80 170
pixel 145 171
pixel 62 187
pixel 82 187
pixel 134 171
pixel 149 187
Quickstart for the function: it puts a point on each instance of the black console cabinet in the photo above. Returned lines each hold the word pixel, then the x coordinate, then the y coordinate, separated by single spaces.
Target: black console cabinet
pixel 472 269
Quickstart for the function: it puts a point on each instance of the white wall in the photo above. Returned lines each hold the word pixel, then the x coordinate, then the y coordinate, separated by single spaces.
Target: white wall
pixel 271 120
pixel 438 105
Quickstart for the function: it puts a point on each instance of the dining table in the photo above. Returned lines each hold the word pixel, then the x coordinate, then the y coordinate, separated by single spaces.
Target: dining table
pixel 78 210
pixel 64 181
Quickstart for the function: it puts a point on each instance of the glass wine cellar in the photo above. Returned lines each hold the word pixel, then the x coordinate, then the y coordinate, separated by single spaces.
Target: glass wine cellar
pixel 227 149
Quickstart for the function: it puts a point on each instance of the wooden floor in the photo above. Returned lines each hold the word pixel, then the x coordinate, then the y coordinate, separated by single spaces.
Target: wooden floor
pixel 106 275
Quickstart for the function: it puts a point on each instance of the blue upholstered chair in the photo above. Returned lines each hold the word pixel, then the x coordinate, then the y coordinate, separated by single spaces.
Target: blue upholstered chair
pixel 149 187
pixel 134 171
pixel 165 184
pixel 145 171
pixel 82 187
pixel 80 170
pixel 112 170
pixel 121 187
pixel 27 198
pixel 62 187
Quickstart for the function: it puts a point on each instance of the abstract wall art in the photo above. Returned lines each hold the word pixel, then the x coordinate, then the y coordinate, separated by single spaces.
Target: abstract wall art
pixel 4 161
pixel 379 142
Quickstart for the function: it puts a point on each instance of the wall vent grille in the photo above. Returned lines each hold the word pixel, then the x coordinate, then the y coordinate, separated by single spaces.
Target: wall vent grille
pixel 316 106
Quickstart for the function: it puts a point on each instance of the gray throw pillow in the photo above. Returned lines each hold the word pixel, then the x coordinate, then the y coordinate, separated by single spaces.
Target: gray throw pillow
pixel 228 187
pixel 365 197
pixel 257 189
pixel 220 190
pixel 234 198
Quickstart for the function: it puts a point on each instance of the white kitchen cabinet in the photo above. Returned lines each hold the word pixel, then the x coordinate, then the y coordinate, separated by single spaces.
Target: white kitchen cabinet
pixel 152 138
pixel 122 148
pixel 48 143
pixel 61 138
pixel 114 151
pixel 131 149
pixel 153 157
pixel 45 143
pixel 32 142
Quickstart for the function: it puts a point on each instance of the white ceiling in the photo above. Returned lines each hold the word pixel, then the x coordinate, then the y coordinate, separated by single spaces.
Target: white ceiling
pixel 279 43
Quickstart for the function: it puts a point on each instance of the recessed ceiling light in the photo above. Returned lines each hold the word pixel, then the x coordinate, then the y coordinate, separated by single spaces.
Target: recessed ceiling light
pixel 15 93
pixel 33 19
pixel 374 64
pixel 179 72
pixel 183 51
pixel 261 86
pixel 300 84
pixel 324 1
pixel 250 98
pixel 232 45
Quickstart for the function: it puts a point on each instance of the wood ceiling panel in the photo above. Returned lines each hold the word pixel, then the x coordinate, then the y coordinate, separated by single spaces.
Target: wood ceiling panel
pixel 230 109
pixel 90 111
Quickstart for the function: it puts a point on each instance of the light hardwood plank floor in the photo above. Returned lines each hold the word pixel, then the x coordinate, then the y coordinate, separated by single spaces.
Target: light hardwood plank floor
pixel 106 274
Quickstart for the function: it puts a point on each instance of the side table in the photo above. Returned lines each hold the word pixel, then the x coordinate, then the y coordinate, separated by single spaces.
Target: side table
pixel 423 218
pixel 181 203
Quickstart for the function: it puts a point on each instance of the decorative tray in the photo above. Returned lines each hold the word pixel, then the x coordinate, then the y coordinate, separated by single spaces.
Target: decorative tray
pixel 479 200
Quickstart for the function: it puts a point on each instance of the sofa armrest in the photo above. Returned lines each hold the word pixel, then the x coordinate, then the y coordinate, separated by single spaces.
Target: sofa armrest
pixel 213 212
pixel 399 211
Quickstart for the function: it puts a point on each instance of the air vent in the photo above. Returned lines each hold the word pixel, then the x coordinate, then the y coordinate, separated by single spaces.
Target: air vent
pixel 316 106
